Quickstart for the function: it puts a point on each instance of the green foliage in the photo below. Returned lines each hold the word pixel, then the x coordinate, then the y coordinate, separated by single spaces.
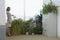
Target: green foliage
pixel 48 8
pixel 17 26
pixel 38 29
pixel 27 25
pixel 32 28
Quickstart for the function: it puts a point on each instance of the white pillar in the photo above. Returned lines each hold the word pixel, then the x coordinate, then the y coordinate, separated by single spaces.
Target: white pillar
pixel 58 22
pixel 2 20
pixel 57 3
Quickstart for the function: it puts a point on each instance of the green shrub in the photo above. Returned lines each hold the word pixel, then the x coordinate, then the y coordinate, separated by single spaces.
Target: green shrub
pixel 48 8
pixel 17 26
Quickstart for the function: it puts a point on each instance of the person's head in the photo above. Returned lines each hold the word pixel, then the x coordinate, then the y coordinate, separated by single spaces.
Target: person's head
pixel 8 9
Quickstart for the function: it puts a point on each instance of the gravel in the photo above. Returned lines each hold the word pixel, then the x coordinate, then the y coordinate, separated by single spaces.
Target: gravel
pixel 31 37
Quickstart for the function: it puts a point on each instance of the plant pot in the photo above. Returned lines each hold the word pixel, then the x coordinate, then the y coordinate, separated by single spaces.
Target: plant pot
pixel 27 33
pixel 50 24
pixel 32 33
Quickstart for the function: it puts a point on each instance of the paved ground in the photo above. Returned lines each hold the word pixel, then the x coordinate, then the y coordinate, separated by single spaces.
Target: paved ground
pixel 31 37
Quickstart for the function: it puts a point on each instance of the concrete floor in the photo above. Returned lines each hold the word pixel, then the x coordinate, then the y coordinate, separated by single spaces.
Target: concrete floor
pixel 31 37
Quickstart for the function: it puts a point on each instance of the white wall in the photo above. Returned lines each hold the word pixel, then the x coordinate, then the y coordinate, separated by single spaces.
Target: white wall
pixel 57 3
pixel 50 24
pixel 58 21
pixel 2 20
pixel 2 12
pixel 44 21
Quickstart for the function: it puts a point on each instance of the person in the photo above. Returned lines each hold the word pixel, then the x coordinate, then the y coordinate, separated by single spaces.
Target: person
pixel 8 21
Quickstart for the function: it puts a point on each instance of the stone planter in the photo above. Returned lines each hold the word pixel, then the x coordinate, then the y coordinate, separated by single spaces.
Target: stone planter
pixel 50 24
pixel 32 33
pixel 27 33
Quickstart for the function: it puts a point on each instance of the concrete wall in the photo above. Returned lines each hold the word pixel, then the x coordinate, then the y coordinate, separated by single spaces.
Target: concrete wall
pixel 50 24
pixel 2 12
pixel 2 32
pixel 2 20
pixel 58 21
pixel 57 3
pixel 44 21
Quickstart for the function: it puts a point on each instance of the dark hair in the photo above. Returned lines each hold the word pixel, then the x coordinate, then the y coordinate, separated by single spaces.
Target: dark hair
pixel 8 9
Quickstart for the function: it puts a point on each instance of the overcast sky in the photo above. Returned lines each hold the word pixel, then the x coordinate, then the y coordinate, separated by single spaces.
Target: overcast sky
pixel 32 7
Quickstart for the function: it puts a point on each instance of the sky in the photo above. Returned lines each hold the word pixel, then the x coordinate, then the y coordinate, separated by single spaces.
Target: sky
pixel 32 7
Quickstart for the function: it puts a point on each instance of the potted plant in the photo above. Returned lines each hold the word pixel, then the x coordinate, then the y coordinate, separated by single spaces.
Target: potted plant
pixel 27 33
pixel 49 8
pixel 50 19
pixel 31 31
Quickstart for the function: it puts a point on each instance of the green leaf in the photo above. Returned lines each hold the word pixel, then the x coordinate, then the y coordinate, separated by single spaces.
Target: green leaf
pixel 48 8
